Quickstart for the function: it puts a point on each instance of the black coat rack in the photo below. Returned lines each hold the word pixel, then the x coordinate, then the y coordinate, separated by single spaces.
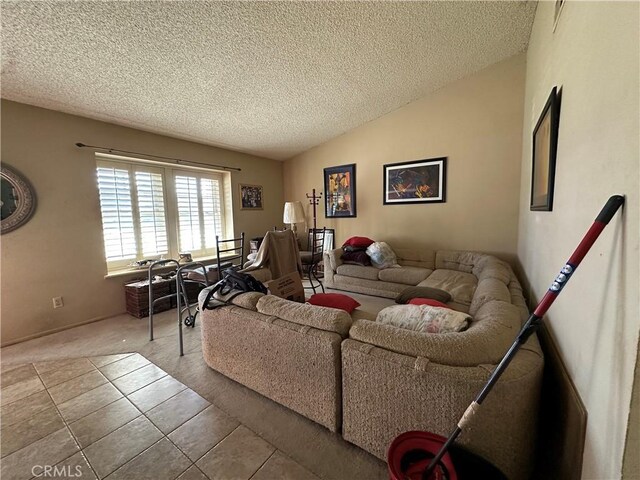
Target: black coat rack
pixel 314 200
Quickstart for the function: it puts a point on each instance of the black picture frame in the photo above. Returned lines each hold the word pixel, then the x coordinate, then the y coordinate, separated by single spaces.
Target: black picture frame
pixel 416 181
pixel 251 197
pixel 340 191
pixel 544 152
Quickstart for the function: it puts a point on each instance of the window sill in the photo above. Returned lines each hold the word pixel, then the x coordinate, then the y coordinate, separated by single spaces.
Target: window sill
pixel 128 272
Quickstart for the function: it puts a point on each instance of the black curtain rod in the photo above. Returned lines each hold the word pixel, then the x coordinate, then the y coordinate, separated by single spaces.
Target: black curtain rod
pixel 178 161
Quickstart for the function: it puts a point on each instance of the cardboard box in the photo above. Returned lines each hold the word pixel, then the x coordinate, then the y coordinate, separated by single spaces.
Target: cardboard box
pixel 288 286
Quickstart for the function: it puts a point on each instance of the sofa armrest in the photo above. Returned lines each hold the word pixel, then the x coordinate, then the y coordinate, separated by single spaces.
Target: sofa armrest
pixel 485 342
pixel 333 258
pixel 322 318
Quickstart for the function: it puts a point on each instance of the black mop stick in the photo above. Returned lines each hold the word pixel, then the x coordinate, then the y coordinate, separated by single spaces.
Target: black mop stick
pixel 534 321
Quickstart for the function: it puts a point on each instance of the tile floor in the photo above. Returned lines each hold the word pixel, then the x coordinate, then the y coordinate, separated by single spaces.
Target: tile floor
pixel 122 417
pixel 324 453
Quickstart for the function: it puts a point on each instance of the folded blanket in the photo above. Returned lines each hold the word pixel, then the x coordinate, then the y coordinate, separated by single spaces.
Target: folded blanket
pixel 424 318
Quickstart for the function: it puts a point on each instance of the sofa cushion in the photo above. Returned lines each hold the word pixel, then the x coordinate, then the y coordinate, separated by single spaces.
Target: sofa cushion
pixel 377 288
pixel 489 289
pixel 459 260
pixel 412 257
pixel 248 300
pixel 423 292
pixel 322 318
pixel 489 336
pixel 494 268
pixel 358 271
pixel 404 275
pixel 460 285
pixel 334 300
pixel 458 306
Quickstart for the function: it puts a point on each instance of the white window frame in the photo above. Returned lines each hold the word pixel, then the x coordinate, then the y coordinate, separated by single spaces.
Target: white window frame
pixel 210 250
pixel 170 205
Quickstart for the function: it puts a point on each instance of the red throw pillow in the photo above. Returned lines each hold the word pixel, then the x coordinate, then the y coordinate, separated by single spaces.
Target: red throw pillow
pixel 428 301
pixel 360 242
pixel 334 300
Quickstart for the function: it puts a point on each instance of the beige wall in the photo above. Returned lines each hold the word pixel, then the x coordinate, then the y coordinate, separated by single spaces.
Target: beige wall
pixel 631 459
pixel 593 56
pixel 59 252
pixel 475 122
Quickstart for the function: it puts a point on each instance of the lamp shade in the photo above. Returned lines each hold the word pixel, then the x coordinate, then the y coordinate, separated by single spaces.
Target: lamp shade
pixel 293 213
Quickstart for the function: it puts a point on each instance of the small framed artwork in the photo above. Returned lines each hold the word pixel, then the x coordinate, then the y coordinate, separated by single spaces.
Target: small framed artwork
pixel 545 145
pixel 251 197
pixel 418 181
pixel 340 191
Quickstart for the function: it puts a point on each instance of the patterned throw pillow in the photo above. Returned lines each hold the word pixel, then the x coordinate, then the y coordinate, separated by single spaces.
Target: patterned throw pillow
pixel 424 318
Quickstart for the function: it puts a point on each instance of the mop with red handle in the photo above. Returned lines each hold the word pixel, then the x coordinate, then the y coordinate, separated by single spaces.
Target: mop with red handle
pixel 423 445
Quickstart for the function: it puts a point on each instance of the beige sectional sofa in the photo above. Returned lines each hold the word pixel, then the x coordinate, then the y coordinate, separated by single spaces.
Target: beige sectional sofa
pixel 457 272
pixel 374 381
pixel 287 351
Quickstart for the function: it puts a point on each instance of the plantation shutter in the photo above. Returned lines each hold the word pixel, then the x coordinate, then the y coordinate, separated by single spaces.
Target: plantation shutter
pixel 151 213
pixel 211 210
pixel 117 213
pixel 188 213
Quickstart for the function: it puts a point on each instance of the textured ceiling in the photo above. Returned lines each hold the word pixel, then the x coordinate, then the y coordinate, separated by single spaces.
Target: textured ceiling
pixel 269 78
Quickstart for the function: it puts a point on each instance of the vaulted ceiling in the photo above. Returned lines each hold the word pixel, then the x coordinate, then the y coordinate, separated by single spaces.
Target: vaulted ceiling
pixel 269 78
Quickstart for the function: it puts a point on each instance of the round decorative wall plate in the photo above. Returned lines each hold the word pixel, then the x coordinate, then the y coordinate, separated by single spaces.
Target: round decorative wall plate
pixel 17 199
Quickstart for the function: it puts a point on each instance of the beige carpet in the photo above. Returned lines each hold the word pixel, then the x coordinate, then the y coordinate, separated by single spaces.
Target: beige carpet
pixel 313 447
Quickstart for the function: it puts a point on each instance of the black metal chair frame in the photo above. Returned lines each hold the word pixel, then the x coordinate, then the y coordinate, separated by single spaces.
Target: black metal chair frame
pixel 236 252
pixel 310 270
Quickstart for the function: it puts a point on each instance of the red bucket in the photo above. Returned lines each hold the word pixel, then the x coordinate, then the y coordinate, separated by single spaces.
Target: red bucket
pixel 410 453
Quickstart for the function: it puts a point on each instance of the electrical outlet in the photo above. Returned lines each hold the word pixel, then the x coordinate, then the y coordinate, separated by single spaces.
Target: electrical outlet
pixel 57 302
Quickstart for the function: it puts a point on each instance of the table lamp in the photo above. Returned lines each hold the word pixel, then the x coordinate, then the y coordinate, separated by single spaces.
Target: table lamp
pixel 293 213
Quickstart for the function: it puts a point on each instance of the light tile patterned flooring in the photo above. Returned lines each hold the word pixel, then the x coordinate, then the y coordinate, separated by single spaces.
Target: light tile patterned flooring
pixel 122 417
